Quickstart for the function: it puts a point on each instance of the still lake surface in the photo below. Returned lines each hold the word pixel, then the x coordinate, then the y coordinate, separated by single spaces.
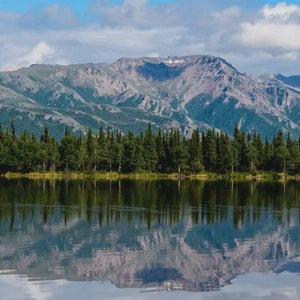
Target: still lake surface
pixel 149 240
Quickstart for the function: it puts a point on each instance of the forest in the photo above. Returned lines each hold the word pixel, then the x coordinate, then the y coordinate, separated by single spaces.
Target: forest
pixel 152 152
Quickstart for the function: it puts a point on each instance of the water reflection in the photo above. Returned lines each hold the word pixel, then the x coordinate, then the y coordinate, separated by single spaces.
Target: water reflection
pixel 188 235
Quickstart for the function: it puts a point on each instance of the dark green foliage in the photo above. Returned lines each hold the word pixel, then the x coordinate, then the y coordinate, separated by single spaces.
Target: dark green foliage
pixel 91 151
pixel 195 152
pixel 150 155
pixel 210 151
pixel 224 154
pixel 130 162
pixel 280 152
pixel 67 151
pixel 164 152
pixel 103 157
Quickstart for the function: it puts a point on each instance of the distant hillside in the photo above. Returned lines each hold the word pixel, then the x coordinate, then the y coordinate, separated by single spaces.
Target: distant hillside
pixel 183 92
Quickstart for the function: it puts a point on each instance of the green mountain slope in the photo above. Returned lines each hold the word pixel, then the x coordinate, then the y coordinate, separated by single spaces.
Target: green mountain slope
pixel 185 92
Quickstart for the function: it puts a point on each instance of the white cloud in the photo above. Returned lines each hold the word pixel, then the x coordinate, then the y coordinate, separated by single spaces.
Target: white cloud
pixel 266 37
pixel 270 35
pixel 226 15
pixel 54 16
pixel 274 31
pixel 154 54
pixel 37 55
pixel 282 10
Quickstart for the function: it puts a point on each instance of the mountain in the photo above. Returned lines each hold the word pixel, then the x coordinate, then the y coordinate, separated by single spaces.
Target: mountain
pixel 183 92
pixel 293 82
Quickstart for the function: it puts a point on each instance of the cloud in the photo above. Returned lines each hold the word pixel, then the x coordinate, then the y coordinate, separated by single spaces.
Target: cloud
pixel 226 15
pixel 54 17
pixel 281 10
pixel 36 55
pixel 255 40
pixel 275 31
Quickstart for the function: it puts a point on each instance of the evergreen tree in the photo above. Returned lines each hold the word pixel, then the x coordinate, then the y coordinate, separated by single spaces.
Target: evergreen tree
pixel 210 151
pixel 139 151
pixel 160 150
pixel 179 151
pixel 81 152
pixel 118 152
pixel 129 161
pixel 164 152
pixel 280 152
pixel 110 142
pixel 293 155
pixel 245 159
pixel 67 152
pixel 259 151
pixel 91 151
pixel 150 155
pixel 267 156
pixel 13 130
pixel 103 157
pixel 181 155
pixel 224 155
pixel 195 159
pixel 235 149
pixel 49 152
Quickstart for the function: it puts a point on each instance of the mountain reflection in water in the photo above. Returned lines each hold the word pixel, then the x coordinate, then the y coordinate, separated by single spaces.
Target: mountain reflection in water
pixel 166 235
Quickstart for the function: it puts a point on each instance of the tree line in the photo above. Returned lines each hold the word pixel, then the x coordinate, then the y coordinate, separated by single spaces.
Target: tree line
pixel 161 152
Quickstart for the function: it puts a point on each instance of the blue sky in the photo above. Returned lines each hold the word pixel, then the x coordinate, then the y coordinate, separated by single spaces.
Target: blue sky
pixel 77 5
pixel 256 38
pixel 81 5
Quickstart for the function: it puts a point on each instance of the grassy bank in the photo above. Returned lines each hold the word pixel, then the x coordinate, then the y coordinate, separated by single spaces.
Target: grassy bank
pixel 175 176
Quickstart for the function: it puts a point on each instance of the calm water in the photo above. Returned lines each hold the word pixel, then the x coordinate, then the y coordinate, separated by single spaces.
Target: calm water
pixel 149 240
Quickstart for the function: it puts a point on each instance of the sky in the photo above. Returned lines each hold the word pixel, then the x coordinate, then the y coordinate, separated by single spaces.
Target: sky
pixel 257 36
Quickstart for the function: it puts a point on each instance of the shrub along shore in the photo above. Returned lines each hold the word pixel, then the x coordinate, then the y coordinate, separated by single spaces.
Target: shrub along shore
pixel 165 154
pixel 149 176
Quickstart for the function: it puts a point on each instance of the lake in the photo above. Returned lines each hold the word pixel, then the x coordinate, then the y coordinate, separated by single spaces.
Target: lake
pixel 159 239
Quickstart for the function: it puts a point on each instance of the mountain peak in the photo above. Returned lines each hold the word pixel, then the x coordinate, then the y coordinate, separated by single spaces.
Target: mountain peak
pixel 194 91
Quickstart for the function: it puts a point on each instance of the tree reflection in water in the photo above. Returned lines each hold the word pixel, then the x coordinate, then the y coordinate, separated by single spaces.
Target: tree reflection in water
pixel 189 235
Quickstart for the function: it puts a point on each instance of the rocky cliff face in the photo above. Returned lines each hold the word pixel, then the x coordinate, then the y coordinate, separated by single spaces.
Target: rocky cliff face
pixel 183 92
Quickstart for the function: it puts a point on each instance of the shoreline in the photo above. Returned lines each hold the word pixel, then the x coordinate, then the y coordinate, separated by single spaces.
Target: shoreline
pixel 146 176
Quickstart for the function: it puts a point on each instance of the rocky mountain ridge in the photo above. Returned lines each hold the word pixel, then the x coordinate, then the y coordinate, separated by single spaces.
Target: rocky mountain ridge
pixel 185 92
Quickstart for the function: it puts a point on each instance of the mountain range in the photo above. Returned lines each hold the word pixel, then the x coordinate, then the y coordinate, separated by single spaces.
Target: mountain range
pixel 183 92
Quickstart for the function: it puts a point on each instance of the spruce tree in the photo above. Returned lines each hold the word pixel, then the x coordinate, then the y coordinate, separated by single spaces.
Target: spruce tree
pixel 210 151
pixel 160 150
pixel 267 164
pixel 103 158
pixel 280 152
pixel 195 159
pixel 150 155
pixel 67 152
pixel 259 150
pixel 224 155
pixel 81 152
pixel 91 149
pixel 118 149
pixel 129 161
